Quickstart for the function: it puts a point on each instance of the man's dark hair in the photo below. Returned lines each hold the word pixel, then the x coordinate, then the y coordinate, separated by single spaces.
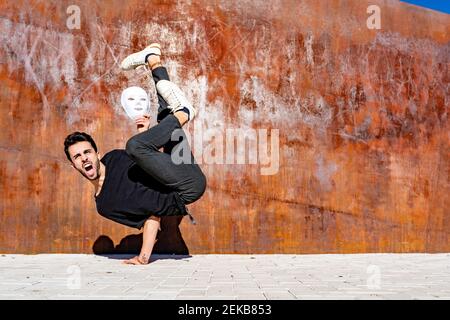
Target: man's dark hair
pixel 75 137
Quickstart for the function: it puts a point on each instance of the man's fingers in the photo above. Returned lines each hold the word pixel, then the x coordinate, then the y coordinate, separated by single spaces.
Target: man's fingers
pixel 134 261
pixel 143 117
pixel 141 120
pixel 129 261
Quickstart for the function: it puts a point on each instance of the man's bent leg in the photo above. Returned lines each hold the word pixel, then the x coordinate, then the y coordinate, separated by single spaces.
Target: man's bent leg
pixel 159 73
pixel 185 178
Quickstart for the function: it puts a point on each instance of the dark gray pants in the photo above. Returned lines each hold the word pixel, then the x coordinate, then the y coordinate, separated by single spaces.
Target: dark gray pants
pixel 186 179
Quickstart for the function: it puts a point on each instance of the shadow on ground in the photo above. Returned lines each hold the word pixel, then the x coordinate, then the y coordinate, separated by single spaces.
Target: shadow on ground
pixel 170 241
pixel 153 258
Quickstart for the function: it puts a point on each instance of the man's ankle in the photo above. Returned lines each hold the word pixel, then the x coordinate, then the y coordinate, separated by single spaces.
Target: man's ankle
pixel 182 116
pixel 153 61
pixel 144 258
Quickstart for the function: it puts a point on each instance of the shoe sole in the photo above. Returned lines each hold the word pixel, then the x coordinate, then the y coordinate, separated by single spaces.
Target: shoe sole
pixel 156 50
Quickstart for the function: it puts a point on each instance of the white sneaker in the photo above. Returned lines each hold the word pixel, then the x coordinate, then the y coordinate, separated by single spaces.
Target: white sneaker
pixel 174 97
pixel 138 58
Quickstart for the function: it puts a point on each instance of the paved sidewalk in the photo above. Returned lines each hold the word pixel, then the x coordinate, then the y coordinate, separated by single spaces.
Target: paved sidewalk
pixel 227 277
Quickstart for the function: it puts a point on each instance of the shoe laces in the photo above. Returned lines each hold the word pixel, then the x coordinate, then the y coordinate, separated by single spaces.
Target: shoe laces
pixel 174 94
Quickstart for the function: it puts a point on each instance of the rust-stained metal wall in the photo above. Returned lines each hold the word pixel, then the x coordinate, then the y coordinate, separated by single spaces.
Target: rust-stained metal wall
pixel 362 118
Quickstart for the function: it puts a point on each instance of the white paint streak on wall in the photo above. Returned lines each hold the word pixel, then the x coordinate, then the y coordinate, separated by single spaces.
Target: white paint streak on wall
pixel 315 111
pixel 324 173
pixel 173 40
pixel 309 50
pixel 269 105
pixel 51 57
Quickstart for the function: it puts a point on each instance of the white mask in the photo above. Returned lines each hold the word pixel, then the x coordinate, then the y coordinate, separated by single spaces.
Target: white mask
pixel 135 101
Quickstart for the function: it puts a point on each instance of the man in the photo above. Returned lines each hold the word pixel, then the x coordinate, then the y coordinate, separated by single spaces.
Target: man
pixel 137 186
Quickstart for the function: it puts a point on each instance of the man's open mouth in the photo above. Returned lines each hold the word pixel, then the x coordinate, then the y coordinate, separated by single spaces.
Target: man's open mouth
pixel 88 167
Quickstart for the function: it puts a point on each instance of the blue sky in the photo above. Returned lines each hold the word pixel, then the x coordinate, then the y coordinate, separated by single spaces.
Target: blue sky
pixel 439 5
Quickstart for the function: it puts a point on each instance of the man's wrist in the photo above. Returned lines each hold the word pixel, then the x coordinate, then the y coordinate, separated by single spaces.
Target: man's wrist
pixel 143 258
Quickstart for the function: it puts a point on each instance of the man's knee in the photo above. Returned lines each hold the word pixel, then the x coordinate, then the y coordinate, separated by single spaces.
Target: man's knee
pixel 198 189
pixel 132 147
pixel 202 185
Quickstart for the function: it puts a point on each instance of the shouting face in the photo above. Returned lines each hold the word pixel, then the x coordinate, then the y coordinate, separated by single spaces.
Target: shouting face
pixel 85 159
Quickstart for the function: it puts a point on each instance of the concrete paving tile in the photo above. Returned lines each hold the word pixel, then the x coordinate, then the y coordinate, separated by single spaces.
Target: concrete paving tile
pixel 251 296
pixel 274 296
pixel 192 292
pixel 196 285
pixel 174 282
pixel 307 296
pixel 162 296
pixel 7 296
pixel 221 290
pixel 220 297
pixel 192 298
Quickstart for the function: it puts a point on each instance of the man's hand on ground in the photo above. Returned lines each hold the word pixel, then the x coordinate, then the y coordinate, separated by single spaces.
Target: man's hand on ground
pixel 137 261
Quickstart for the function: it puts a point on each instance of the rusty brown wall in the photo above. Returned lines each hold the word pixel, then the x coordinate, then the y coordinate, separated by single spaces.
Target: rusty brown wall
pixel 362 118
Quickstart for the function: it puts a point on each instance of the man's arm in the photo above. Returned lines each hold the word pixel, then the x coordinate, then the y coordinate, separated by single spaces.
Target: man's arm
pixel 151 227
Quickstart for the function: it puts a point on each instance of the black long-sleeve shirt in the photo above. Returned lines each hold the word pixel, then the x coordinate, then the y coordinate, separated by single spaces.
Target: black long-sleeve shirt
pixel 130 196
